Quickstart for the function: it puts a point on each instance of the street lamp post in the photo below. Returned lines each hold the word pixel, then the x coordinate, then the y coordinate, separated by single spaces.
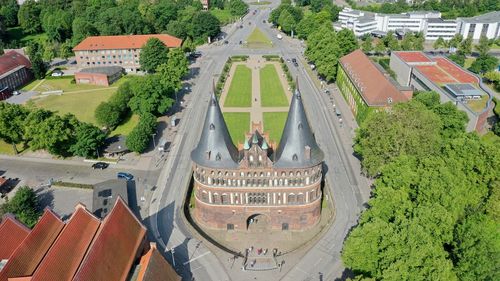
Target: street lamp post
pixel 154 142
pixel 172 252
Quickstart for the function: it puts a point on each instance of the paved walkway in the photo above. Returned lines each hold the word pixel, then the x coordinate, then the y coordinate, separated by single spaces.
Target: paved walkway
pixel 255 63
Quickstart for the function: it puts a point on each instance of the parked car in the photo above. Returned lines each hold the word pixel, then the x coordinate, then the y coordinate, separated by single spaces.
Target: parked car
pixel 100 165
pixel 15 93
pixel 226 42
pixel 57 73
pixel 126 176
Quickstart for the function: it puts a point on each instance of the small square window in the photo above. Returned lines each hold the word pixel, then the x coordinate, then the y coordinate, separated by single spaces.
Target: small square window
pixel 284 226
pixel 230 226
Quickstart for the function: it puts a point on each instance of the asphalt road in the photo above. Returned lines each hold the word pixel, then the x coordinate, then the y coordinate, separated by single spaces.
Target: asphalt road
pixel 192 258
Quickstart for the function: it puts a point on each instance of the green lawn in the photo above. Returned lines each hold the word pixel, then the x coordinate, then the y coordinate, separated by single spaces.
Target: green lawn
pixel 6 148
pixel 127 126
pixel 30 85
pixel 240 90
pixel 478 105
pixel 238 124
pixel 274 122
pixel 495 46
pixel 224 16
pixel 65 85
pixel 271 90
pixel 468 62
pixel 82 105
pixel 257 39
pixel 490 137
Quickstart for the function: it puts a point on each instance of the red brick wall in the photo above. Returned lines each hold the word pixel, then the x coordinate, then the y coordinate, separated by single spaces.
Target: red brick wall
pixel 93 78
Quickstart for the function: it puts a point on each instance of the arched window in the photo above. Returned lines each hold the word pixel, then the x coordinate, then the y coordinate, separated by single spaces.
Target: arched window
pixel 291 198
pixel 204 196
pixel 216 198
pixel 224 199
pixel 261 174
pixel 300 198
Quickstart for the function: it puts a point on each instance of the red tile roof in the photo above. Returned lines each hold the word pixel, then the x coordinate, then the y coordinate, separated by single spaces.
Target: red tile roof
pixel 2 181
pixel 28 255
pixel 11 60
pixel 61 264
pixel 456 72
pixel 373 85
pixel 12 233
pixel 124 42
pixel 115 246
pixel 154 267
pixel 435 74
pixel 415 56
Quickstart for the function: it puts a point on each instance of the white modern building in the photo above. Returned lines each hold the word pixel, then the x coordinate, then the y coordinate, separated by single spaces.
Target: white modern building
pixel 428 22
pixel 486 24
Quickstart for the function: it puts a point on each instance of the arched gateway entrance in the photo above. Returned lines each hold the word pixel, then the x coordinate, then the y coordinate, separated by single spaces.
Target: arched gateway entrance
pixel 258 222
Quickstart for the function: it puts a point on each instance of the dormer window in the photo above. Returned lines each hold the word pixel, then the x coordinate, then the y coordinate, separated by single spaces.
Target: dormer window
pixel 250 158
pixel 218 157
pixel 295 157
pixel 300 126
pixel 211 127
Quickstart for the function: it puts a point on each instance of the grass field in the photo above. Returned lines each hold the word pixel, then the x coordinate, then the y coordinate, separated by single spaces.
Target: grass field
pixel 491 138
pixel 6 148
pixel 240 90
pixel 257 39
pixel 82 105
pixel 63 84
pixel 238 123
pixel 127 126
pixel 478 105
pixel 274 122
pixel 224 16
pixel 468 62
pixel 16 33
pixel 271 90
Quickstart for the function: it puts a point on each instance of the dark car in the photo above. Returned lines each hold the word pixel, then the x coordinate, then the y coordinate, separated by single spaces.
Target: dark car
pixel 294 60
pixel 295 64
pixel 126 176
pixel 226 42
pixel 100 165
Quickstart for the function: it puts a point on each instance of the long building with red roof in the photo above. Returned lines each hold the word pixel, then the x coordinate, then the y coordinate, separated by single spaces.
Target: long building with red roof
pixel 14 233
pixel 15 71
pixel 119 50
pixel 452 82
pixel 366 85
pixel 83 248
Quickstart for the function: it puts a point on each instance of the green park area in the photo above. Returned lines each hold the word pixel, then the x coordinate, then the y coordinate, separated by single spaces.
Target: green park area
pixel 126 127
pixel 272 93
pixel 82 105
pixel 240 90
pixel 478 105
pixel 224 16
pixel 257 39
pixel 59 84
pixel 236 125
pixel 274 122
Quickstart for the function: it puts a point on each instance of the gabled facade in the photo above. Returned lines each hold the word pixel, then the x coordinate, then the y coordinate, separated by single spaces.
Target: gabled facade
pixel 278 187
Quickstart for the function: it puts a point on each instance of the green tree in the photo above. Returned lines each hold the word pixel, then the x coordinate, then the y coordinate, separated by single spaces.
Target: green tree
pixel 347 41
pixel 107 115
pixel 65 50
pixel 38 66
pixel 82 29
pixel 484 46
pixel 12 123
pixel 439 43
pixel 367 45
pixel 457 58
pixel 29 17
pixel 379 140
pixel 429 99
pixel 465 47
pixel 24 205
pixel 238 8
pixel 173 71
pixel 456 40
pixel 153 53
pixel 57 25
pixel 204 25
pixel 454 120
pixel 380 47
pixel 484 63
pixel 391 42
pixel 45 130
pixel 140 136
pixel 9 10
pixel 286 21
pixel 324 50
pixel 150 96
pixel 88 139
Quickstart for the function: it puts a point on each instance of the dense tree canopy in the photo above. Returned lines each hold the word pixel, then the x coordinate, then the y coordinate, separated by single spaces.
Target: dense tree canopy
pixel 11 123
pixel 238 8
pixel 434 210
pixel 141 135
pixel 153 53
pixel 24 205
pixel 29 17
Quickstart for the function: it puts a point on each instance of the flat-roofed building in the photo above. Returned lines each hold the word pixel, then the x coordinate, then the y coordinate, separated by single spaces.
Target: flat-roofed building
pixel 99 75
pixel 453 83
pixel 483 25
pixel 119 50
pixel 366 86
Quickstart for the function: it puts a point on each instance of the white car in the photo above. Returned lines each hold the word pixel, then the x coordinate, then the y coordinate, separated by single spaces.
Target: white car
pixel 15 93
pixel 57 73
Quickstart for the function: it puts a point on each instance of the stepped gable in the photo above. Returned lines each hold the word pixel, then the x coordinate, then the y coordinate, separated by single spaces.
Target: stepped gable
pixel 30 253
pixel 60 263
pixel 297 148
pixel 12 233
pixel 215 148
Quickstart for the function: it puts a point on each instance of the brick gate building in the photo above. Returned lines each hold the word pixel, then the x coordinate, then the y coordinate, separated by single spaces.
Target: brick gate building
pixel 276 189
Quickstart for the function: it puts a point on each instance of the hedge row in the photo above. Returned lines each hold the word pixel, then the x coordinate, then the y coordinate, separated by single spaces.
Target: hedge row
pixel 72 184
pixel 288 75
pixel 272 57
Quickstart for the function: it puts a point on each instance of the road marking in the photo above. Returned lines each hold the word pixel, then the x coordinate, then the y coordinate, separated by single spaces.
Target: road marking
pixel 193 259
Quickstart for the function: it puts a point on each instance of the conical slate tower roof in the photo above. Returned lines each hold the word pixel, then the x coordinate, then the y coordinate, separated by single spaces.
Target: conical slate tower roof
pixel 297 148
pixel 215 148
